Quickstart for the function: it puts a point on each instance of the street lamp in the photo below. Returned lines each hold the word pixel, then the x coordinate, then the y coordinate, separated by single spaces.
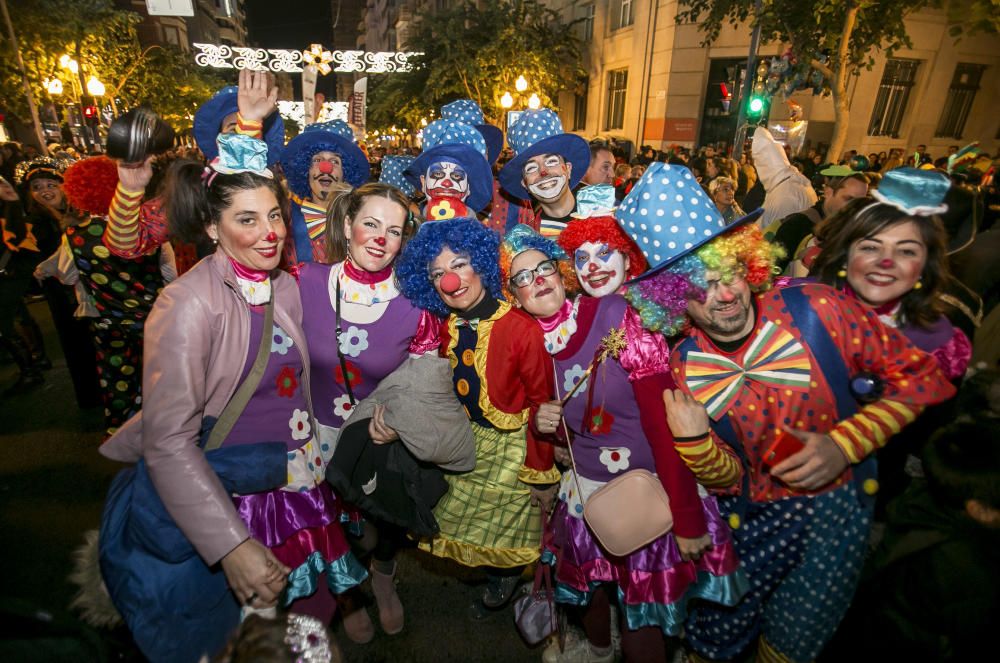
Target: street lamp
pixel 521 84
pixel 95 88
pixel 506 101
pixel 66 62
pixel 534 103
pixel 54 86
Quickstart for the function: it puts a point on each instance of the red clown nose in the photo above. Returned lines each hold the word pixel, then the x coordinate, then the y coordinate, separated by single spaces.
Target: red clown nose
pixel 380 241
pixel 885 263
pixel 450 283
pixel 271 236
pixel 325 167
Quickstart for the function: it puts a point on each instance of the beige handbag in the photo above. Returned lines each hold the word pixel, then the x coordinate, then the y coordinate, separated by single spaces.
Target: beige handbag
pixel 627 512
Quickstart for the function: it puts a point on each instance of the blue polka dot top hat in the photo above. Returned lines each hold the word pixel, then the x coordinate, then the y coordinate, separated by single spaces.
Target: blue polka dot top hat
pixel 669 215
pixel 392 173
pixel 334 136
pixel 540 132
pixel 449 140
pixel 208 123
pixel 468 112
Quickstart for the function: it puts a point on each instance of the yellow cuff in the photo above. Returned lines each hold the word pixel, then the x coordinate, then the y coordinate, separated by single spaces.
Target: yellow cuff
pixel 471 555
pixel 845 444
pixel 530 475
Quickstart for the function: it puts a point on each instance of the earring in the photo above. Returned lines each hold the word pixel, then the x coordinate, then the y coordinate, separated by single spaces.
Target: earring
pixel 842 273
pixel 918 285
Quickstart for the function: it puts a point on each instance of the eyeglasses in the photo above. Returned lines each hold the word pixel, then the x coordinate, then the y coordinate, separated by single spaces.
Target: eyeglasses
pixel 526 276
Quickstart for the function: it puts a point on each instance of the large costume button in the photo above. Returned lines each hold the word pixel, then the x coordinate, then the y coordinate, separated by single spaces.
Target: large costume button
pixel 870 486
pixel 463 387
pixel 468 357
pixel 734 521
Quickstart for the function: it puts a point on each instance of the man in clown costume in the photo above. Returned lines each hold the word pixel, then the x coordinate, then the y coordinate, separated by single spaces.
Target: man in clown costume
pixel 783 396
pixel 319 163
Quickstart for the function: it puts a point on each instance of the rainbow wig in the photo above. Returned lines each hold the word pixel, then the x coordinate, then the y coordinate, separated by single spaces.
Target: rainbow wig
pixel 603 229
pixel 464 236
pixel 661 299
pixel 297 170
pixel 523 238
pixel 89 185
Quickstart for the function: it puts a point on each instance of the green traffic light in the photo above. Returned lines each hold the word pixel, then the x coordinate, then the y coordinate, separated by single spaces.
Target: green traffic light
pixel 756 105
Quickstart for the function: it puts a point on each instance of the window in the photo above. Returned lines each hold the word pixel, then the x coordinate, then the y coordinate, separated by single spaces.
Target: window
pixel 622 18
pixel 171 35
pixel 893 96
pixel 587 25
pixel 617 85
pixel 580 106
pixel 958 103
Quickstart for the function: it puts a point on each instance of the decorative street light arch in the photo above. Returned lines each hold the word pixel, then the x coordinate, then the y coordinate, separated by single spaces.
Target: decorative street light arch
pixel 222 56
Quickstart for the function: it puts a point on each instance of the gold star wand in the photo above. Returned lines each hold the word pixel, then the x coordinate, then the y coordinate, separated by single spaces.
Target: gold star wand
pixel 611 345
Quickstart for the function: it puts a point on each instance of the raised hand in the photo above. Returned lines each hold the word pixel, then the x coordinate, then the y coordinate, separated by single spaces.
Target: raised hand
pixel 258 95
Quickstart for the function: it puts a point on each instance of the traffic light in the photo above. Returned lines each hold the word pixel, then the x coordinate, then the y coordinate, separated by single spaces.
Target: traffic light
pixel 90 115
pixel 756 108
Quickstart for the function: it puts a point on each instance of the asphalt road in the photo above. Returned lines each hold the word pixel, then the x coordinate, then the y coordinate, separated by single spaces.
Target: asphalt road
pixel 52 488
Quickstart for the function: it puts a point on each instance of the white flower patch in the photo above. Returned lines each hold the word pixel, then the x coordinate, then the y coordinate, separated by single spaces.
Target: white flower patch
pixel 280 341
pixel 299 425
pixel 615 458
pixel 572 376
pixel 354 341
pixel 342 406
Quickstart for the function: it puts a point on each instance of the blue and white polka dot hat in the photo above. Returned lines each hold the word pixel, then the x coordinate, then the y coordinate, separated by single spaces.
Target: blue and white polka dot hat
pixel 468 112
pixel 541 132
pixel 669 215
pixel 392 173
pixel 461 143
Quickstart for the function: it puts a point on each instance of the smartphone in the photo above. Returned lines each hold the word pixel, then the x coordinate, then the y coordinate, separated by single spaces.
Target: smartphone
pixel 784 445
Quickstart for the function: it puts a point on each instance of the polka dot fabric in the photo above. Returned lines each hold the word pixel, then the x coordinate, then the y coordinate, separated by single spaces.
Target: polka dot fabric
pixel 803 556
pixel 533 126
pixel 668 215
pixel 392 173
pixel 538 132
pixel 452 132
pixel 466 111
pixel 337 127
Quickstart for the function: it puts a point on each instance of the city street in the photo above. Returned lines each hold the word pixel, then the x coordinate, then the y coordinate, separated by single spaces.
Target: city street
pixel 52 487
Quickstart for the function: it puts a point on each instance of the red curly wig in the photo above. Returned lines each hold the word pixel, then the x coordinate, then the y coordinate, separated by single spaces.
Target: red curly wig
pixel 90 184
pixel 602 229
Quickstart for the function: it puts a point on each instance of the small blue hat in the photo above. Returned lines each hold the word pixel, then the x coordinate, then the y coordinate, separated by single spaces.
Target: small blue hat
pixel 468 112
pixel 594 200
pixel 208 122
pixel 459 142
pixel 392 173
pixel 668 215
pixel 541 132
pixel 914 191
pixel 335 136
pixel 241 154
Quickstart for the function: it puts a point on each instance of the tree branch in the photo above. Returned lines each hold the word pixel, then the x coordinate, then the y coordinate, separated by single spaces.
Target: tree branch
pixel 821 68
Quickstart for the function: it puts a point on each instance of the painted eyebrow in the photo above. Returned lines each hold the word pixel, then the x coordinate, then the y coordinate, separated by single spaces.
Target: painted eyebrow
pixel 905 241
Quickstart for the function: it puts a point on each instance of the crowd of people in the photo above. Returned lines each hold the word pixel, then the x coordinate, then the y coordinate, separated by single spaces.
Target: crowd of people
pixel 486 350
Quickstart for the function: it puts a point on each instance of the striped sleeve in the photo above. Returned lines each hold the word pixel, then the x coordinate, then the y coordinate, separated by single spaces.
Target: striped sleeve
pixel 252 128
pixel 711 461
pixel 122 233
pixel 871 427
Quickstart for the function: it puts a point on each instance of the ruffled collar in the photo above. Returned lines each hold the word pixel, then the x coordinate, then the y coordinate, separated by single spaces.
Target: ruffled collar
pixel 890 313
pixel 255 284
pixel 559 327
pixel 366 288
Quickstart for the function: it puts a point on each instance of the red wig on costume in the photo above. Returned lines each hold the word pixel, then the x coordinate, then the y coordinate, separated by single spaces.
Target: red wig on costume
pixel 90 184
pixel 603 229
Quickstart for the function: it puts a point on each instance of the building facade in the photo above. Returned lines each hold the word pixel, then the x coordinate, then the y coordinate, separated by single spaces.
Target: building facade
pixel 652 82
pixel 214 22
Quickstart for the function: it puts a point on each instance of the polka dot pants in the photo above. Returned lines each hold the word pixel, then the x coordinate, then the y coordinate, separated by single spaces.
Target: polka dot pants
pixel 119 371
pixel 803 556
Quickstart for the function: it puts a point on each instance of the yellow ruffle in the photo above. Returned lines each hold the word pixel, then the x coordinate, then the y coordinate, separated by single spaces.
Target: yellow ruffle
pixel 498 418
pixel 530 475
pixel 470 555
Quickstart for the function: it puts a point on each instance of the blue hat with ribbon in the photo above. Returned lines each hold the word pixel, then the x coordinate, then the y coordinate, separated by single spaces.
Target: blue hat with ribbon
pixel 449 140
pixel 914 191
pixel 539 132
pixel 594 200
pixel 468 112
pixel 208 123
pixel 668 215
pixel 334 136
pixel 392 173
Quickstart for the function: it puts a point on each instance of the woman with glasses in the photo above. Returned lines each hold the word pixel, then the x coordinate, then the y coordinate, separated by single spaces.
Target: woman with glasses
pixel 502 374
pixel 618 423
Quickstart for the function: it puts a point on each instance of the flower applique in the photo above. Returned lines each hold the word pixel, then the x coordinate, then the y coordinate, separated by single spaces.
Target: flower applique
pixel 287 382
pixel 353 374
pixel 353 341
pixel 280 341
pixel 615 458
pixel 299 425
pixel 599 421
pixel 342 406
pixel 572 376
pixel 441 210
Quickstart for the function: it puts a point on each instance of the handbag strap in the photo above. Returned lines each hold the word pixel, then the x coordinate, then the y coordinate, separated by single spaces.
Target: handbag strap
pixel 569 439
pixel 340 354
pixel 234 408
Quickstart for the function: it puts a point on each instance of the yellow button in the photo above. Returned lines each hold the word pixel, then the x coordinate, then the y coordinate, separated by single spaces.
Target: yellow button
pixel 463 387
pixel 468 357
pixel 870 486
pixel 734 521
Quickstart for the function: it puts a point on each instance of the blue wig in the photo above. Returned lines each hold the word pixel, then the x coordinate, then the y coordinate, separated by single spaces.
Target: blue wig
pixel 297 170
pixel 464 236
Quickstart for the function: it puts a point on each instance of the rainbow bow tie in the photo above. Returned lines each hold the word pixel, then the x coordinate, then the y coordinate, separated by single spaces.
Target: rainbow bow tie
pixel 775 358
pixel 315 218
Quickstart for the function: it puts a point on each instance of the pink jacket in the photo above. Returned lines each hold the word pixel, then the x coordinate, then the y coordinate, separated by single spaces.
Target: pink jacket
pixel 196 344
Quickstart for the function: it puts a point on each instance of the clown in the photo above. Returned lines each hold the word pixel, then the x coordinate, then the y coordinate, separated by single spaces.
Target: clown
pixel 452 171
pixel 319 163
pixel 763 375
pixel 136 229
pixel 547 166
pixel 603 256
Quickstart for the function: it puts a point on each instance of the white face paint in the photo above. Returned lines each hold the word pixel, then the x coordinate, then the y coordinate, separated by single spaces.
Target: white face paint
pixel 600 269
pixel 546 177
pixel 445 179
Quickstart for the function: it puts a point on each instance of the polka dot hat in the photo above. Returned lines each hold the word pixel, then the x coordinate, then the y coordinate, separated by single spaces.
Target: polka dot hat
pixel 449 140
pixel 541 132
pixel 468 112
pixel 668 215
pixel 392 173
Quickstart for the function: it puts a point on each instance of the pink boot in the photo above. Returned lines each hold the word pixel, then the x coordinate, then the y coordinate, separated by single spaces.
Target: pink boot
pixel 390 609
pixel 357 624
